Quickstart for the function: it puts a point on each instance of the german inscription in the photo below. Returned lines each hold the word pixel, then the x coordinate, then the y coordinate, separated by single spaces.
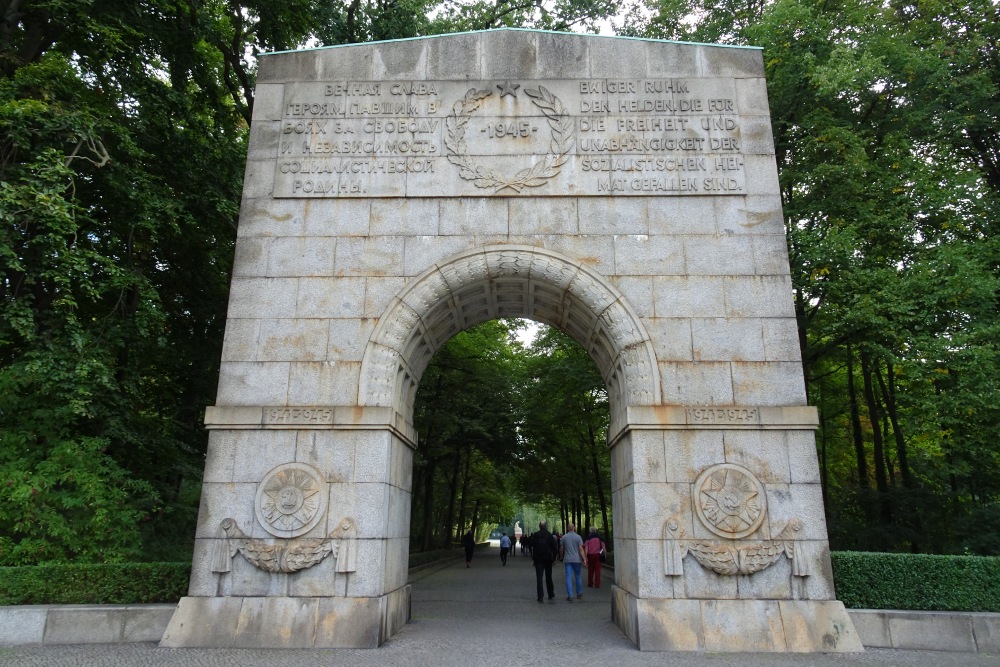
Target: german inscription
pixel 508 138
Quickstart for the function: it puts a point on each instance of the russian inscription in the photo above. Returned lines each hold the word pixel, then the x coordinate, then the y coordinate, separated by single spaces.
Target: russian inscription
pixel 508 138
pixel 723 416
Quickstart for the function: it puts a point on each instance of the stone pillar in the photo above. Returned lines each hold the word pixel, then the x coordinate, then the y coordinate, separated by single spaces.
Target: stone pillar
pixel 720 536
pixel 302 537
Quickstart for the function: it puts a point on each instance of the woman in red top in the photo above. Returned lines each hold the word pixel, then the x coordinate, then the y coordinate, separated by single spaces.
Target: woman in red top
pixel 594 545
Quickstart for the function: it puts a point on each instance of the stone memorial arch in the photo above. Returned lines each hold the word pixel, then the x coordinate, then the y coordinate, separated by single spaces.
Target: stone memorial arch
pixel 624 191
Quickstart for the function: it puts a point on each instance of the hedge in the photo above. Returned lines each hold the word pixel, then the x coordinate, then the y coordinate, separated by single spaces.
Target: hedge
pixel 863 581
pixel 917 581
pixel 122 583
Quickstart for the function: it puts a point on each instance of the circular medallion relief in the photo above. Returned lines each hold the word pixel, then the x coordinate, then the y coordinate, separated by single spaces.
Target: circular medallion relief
pixel 730 500
pixel 291 500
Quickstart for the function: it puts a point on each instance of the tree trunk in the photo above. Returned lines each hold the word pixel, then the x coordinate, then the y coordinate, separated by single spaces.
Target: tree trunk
pixel 460 529
pixel 598 482
pixel 878 449
pixel 475 517
pixel 823 473
pixel 449 517
pixel 902 455
pixel 428 531
pixel 859 438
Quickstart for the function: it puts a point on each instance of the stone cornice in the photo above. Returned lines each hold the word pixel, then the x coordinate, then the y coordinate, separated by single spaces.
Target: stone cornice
pixel 729 417
pixel 299 417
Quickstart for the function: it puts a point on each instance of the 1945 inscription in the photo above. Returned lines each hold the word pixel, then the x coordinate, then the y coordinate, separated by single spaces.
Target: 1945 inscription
pixel 507 138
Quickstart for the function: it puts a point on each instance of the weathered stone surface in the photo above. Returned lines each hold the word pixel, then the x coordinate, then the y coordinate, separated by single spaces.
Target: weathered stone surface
pixel 22 625
pixel 872 627
pixel 987 630
pixel 741 626
pixel 818 626
pixel 203 622
pixel 670 625
pixel 932 630
pixel 146 623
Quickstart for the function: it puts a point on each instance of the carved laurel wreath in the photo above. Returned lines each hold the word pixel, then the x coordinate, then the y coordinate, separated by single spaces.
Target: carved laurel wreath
pixel 561 126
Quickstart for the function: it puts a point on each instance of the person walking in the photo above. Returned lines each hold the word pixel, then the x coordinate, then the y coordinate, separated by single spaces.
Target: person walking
pixel 573 557
pixel 504 548
pixel 593 547
pixel 469 543
pixel 543 553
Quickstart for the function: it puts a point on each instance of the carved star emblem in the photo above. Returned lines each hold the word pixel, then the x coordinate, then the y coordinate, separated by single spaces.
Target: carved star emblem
pixel 730 501
pixel 508 88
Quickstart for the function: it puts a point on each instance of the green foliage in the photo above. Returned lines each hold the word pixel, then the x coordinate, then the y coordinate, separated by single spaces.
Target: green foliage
pixel 509 433
pixel 884 123
pixel 560 15
pixel 120 583
pixel 131 583
pixel 114 253
pixel 917 581
pixel 566 467
pixel 467 425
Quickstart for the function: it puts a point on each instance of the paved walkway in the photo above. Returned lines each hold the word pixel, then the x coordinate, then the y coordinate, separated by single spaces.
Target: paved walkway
pixel 485 615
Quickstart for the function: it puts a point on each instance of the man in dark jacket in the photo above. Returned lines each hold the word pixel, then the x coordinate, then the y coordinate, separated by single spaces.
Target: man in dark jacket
pixel 543 553
pixel 469 544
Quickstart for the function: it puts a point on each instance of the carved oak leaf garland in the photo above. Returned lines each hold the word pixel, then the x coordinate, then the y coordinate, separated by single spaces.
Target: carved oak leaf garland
pixel 560 124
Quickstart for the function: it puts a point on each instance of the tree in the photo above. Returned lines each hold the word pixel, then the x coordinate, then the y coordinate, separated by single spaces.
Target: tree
pixel 114 262
pixel 564 426
pixel 884 122
pixel 467 424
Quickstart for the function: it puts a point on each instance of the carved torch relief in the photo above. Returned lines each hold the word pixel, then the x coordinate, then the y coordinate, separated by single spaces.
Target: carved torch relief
pixel 291 500
pixel 730 502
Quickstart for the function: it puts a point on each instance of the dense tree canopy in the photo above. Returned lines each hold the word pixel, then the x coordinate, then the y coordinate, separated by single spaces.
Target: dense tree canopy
pixel 509 432
pixel 122 138
pixel 885 127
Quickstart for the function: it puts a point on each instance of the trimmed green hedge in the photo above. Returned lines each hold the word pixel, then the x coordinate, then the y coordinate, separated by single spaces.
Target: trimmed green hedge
pixel 863 580
pixel 122 583
pixel 917 581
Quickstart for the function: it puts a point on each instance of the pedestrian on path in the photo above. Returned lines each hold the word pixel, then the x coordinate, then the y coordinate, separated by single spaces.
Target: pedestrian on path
pixel 469 543
pixel 543 553
pixel 504 548
pixel 594 546
pixel 573 556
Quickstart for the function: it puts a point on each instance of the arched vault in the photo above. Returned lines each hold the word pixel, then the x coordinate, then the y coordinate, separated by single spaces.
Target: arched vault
pixel 508 281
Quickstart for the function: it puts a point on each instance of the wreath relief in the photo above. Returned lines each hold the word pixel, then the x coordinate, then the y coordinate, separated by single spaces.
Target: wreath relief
pixel 560 124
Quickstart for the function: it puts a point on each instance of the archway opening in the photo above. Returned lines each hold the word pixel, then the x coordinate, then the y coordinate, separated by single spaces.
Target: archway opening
pixel 509 282
pixel 511 432
pixel 490 284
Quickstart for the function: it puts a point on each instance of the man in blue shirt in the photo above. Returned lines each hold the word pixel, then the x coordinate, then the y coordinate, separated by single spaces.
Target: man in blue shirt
pixel 573 557
pixel 504 548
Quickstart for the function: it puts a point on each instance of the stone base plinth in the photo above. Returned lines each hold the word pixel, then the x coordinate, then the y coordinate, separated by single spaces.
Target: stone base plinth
pixel 287 622
pixel 732 626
